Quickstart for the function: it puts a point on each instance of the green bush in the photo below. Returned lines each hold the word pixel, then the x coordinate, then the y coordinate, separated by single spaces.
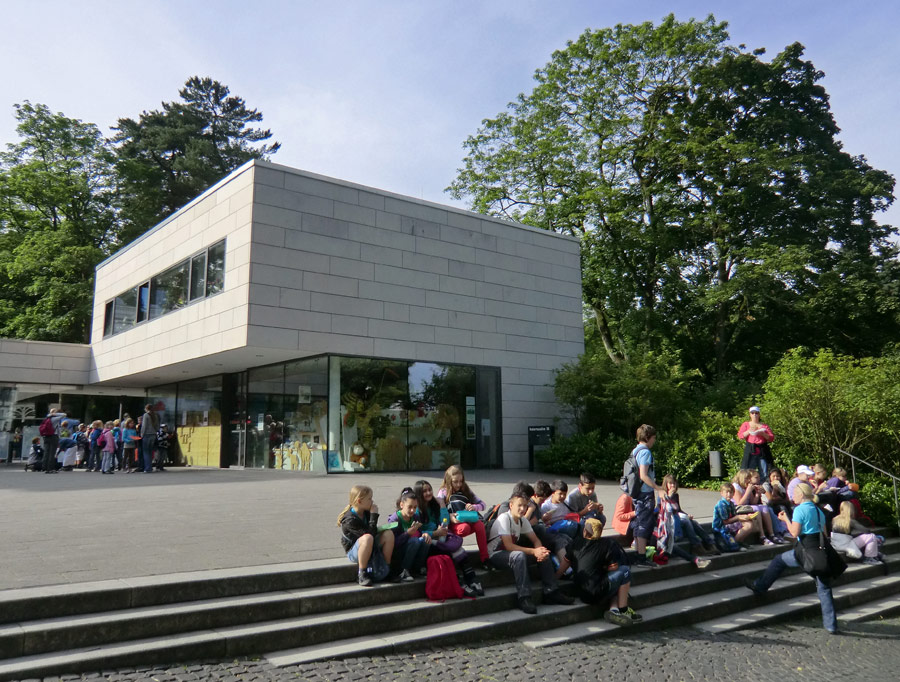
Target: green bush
pixel 876 494
pixel 601 454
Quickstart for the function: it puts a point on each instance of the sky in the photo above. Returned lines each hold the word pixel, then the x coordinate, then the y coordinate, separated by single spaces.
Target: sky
pixel 384 92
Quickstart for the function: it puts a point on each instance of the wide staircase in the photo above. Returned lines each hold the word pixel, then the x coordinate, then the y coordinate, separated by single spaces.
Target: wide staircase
pixel 295 613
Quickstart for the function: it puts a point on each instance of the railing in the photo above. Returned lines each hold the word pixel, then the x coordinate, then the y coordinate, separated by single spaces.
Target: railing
pixel 853 460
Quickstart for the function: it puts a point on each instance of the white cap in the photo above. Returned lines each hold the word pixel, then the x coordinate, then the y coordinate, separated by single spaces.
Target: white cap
pixel 754 409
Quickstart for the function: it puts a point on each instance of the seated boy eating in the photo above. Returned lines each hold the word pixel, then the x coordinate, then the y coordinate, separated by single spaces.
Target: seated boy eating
pixel 506 551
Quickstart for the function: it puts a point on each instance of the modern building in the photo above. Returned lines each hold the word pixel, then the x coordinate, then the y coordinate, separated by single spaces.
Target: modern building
pixel 287 320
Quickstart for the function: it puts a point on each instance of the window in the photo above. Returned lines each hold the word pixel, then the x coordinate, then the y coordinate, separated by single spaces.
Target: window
pixel 198 276
pixel 215 269
pixel 168 291
pixel 124 311
pixel 108 319
pixel 143 301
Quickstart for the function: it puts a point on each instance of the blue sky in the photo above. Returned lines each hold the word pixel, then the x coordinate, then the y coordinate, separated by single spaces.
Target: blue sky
pixel 383 92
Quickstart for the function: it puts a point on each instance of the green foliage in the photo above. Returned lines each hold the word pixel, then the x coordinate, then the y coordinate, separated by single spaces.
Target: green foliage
pixel 169 156
pixel 602 455
pixel 57 221
pixel 876 495
pixel 719 217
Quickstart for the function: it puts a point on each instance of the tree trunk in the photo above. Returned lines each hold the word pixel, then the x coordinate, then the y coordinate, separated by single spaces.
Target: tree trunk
pixel 616 355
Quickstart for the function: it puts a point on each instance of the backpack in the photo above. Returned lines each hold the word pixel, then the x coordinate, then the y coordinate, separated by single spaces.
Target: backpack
pixel 46 428
pixel 630 483
pixel 441 582
pixel 490 516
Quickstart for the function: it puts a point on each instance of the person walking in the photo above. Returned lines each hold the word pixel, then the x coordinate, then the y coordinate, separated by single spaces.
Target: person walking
pixel 149 427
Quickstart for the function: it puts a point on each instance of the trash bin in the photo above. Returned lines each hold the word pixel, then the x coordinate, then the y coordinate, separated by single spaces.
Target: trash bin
pixel 715 464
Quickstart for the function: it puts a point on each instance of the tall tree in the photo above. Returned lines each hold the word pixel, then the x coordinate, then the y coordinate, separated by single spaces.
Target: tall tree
pixel 169 156
pixel 719 216
pixel 57 221
pixel 580 154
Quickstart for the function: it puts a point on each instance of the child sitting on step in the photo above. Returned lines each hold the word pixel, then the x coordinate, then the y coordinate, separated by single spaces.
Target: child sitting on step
pixel 602 574
pixel 455 486
pixel 362 541
pixel 410 544
pixel 436 523
pixel 508 533
pixel 748 493
pixel 555 510
pixel 701 543
pixel 731 528
pixel 851 537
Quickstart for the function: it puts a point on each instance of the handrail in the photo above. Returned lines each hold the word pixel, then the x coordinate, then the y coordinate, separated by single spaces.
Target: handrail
pixel 854 459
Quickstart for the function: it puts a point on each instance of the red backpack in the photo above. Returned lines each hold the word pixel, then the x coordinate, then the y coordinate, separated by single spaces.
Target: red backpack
pixel 441 582
pixel 46 428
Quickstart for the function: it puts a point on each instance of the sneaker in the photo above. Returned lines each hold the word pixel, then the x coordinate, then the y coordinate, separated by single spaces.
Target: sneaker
pixel 469 591
pixel 405 576
pixel 617 618
pixel 488 566
pixel 871 561
pixel 711 550
pixel 557 597
pixel 364 580
pixel 768 541
pixel 778 540
pixel 634 615
pixel 527 606
pixel 642 562
pixel 478 588
pixel 702 563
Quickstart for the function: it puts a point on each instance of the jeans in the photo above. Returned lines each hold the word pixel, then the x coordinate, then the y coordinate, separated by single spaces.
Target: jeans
pixel 518 562
pixel 621 576
pixel 94 458
pixel 823 586
pixel 108 463
pixel 644 519
pixel 693 531
pixel 51 443
pixel 414 553
pixel 148 443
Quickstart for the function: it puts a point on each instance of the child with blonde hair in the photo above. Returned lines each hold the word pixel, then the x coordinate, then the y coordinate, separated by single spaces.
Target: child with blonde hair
pixel 359 532
pixel 748 493
pixel 851 537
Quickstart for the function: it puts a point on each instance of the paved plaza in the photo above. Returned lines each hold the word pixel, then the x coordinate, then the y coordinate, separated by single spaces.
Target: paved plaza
pixel 83 527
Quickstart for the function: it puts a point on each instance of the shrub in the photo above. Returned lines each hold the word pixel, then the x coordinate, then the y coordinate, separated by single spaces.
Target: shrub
pixel 876 494
pixel 601 454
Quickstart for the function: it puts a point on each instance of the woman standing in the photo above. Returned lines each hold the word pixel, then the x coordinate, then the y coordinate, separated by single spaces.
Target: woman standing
pixel 808 522
pixel 756 437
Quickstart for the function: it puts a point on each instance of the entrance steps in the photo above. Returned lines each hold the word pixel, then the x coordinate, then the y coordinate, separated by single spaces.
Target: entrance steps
pixel 293 613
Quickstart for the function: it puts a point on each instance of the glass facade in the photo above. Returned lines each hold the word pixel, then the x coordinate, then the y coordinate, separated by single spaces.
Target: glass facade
pixel 334 413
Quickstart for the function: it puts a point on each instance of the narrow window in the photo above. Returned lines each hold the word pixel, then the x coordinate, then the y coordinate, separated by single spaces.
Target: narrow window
pixel 108 319
pixel 215 269
pixel 198 276
pixel 143 301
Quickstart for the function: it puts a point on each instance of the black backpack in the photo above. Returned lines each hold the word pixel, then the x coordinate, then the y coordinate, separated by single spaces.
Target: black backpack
pixel 631 483
pixel 491 515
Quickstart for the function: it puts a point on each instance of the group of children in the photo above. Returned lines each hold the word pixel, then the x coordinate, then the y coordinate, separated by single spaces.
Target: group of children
pixel 543 524
pixel 562 532
pixel 104 447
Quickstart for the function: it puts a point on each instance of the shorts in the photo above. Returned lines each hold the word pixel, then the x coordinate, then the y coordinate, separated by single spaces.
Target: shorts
pixel 734 527
pixel 353 554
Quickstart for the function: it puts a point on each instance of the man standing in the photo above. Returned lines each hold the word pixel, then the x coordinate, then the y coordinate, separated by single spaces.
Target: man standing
pixel 51 439
pixel 149 427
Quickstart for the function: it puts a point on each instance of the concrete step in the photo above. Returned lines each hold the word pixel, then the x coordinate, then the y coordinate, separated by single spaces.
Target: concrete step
pixel 872 610
pixel 677 603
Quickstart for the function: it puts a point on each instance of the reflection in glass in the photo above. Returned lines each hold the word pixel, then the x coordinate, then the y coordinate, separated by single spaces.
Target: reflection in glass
pixel 215 269
pixel 143 301
pixel 305 415
pixel 442 397
pixel 124 311
pixel 108 319
pixel 199 421
pixel 265 416
pixel 374 409
pixel 198 276
pixel 168 290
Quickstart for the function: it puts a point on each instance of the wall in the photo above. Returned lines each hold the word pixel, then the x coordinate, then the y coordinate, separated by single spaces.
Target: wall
pixel 200 329
pixel 43 362
pixel 342 268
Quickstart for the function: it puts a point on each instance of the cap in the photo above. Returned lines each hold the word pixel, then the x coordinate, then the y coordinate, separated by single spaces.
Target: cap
pixel 803 469
pixel 754 409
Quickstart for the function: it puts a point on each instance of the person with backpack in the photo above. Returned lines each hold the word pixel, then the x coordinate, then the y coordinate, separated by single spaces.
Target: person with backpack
pixel 107 443
pixel 49 430
pixel 643 488
pixel 506 552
